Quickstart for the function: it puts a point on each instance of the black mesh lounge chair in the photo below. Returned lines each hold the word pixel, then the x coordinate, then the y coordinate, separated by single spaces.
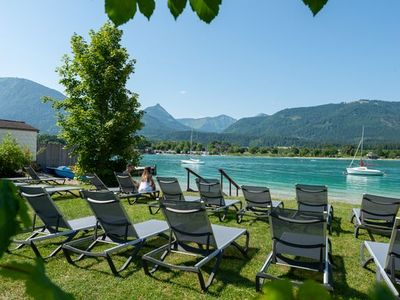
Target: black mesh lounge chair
pixel 258 202
pixel 55 224
pixel 119 230
pixel 314 198
pixel 127 187
pixel 192 234
pixel 377 214
pixel 171 190
pixel 211 194
pixel 99 184
pixel 298 240
pixel 36 178
pixel 386 257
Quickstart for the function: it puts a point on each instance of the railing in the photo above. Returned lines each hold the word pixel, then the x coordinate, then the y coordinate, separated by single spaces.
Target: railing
pixel 230 180
pixel 190 171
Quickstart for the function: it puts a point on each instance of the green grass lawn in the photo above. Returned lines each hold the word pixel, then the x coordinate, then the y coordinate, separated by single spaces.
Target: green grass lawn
pixel 92 278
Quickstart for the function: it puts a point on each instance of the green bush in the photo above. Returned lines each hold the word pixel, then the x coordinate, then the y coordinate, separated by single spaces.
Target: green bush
pixel 12 156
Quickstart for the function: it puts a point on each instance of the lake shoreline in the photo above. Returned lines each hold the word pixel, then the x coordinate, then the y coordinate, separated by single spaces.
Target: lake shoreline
pixel 278 157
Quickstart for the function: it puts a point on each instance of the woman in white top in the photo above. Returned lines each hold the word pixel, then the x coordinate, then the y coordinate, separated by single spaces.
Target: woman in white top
pixel 147 183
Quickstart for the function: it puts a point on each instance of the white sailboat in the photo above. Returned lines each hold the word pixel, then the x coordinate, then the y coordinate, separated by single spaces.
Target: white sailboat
pixel 191 161
pixel 362 169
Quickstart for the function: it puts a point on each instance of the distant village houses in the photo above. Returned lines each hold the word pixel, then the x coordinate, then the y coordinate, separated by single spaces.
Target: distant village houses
pixel 24 134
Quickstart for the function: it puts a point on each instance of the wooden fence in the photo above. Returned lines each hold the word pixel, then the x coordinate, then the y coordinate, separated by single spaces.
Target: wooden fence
pixel 54 155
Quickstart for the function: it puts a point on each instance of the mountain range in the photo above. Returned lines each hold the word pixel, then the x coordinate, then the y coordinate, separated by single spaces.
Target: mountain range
pixel 20 99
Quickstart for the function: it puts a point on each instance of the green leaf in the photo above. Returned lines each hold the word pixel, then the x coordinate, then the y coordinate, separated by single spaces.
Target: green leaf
pixel 12 208
pixel 315 5
pixel 206 10
pixel 311 290
pixel 146 7
pixel 381 291
pixel 176 7
pixel 120 11
pixel 37 284
pixel 278 290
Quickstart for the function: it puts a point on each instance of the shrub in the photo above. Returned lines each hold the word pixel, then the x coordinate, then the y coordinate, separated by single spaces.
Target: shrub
pixel 12 156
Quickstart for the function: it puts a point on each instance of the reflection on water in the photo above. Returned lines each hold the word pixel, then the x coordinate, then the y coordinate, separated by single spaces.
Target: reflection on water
pixel 281 174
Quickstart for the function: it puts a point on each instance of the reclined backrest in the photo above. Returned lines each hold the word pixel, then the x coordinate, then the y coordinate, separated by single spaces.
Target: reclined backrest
pixel 189 222
pixel 31 172
pixel 210 191
pixel 378 211
pixel 257 196
pixel 312 197
pixel 125 182
pixel 170 188
pixel 298 233
pixel 96 181
pixel 392 263
pixel 111 215
pixel 44 208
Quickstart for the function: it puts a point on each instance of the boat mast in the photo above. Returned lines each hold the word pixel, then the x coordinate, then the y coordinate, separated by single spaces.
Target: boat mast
pixel 360 144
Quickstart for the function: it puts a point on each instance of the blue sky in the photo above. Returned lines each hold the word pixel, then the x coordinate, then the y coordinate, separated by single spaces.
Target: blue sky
pixel 251 59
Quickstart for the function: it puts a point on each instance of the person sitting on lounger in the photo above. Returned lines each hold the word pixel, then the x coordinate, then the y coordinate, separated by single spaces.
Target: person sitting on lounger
pixel 147 183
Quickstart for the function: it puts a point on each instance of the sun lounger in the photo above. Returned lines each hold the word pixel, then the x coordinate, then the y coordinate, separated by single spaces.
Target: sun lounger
pixel 36 178
pixel 211 194
pixel 258 203
pixel 193 234
pixel 55 224
pixel 171 190
pixel 377 214
pixel 99 184
pixel 314 198
pixel 299 241
pixel 386 257
pixel 128 188
pixel 119 231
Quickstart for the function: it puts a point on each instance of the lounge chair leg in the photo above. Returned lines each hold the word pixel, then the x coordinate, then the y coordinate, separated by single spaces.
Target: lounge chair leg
pixel 239 217
pixel 162 258
pixel 68 256
pixel 130 258
pixel 111 264
pixel 36 251
pixel 204 286
pixel 356 230
pixel 364 261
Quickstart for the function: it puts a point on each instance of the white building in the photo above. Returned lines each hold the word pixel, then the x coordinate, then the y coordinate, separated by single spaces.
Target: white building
pixel 24 134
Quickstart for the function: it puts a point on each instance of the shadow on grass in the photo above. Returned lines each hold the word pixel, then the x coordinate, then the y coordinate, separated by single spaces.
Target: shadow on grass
pixel 341 287
pixel 228 273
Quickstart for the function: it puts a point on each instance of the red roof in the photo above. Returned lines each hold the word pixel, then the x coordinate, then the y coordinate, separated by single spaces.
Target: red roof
pixel 18 125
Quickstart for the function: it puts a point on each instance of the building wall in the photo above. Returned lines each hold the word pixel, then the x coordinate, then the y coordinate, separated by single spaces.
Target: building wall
pixel 24 138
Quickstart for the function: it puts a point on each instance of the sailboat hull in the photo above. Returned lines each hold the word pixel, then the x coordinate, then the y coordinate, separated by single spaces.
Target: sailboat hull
pixel 363 171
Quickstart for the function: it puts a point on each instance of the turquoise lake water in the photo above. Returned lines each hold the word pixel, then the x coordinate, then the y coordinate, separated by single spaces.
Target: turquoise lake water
pixel 281 174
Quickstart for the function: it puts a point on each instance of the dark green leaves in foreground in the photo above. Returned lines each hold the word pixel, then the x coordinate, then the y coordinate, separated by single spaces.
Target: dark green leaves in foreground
pixel 283 290
pixel 315 5
pixel 310 290
pixel 13 212
pixel 37 284
pixel 206 10
pixel 121 11
pixel 176 7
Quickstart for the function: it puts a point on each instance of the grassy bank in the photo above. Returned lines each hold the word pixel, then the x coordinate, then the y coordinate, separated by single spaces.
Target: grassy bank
pixel 92 279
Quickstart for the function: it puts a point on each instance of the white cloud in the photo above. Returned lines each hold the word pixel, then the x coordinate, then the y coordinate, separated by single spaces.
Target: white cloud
pixel 183 92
